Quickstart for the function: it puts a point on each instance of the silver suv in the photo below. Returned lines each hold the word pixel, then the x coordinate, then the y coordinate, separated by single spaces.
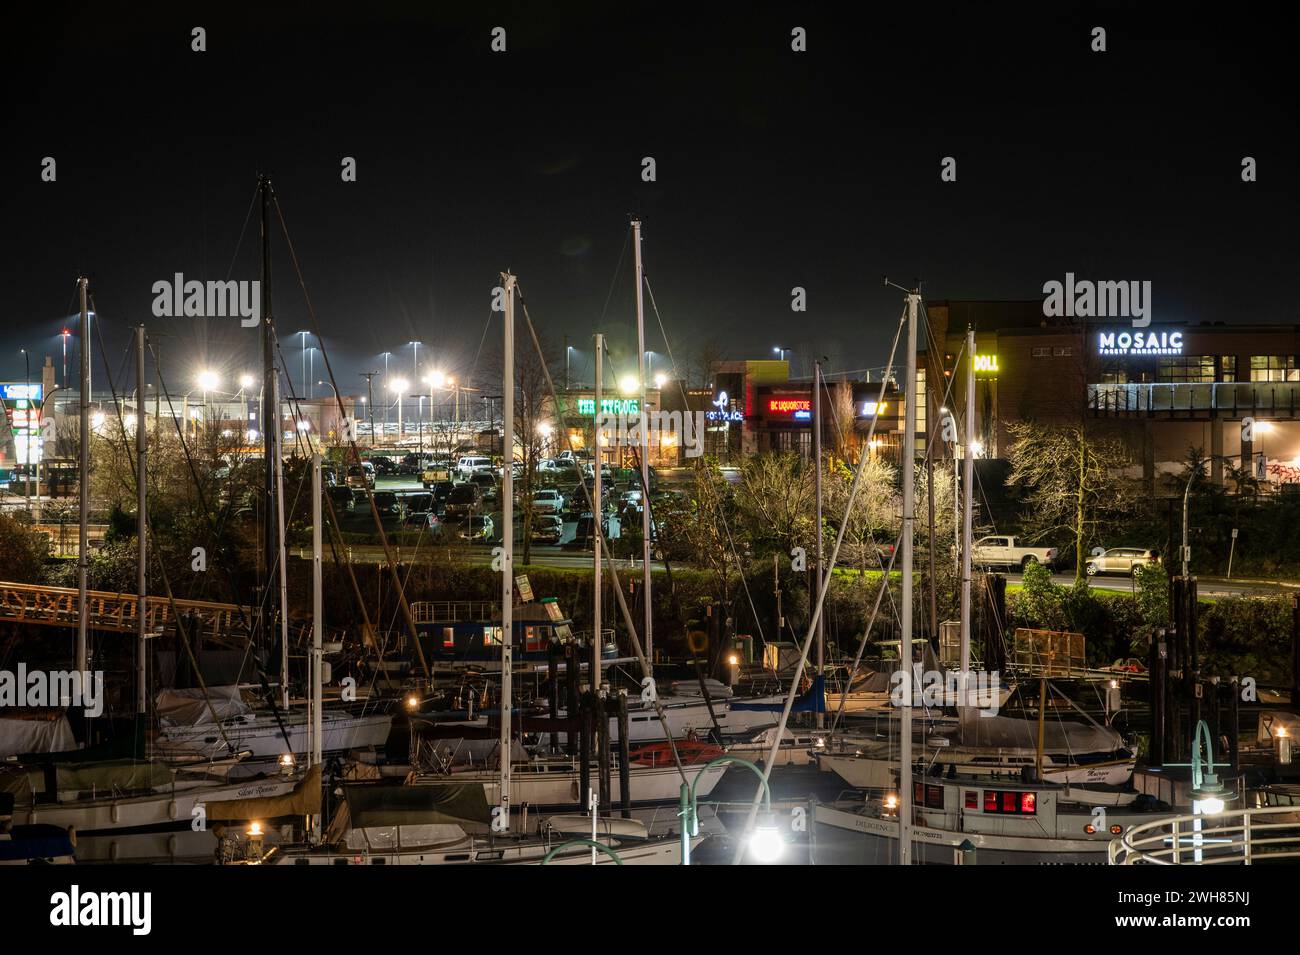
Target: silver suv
pixel 1122 560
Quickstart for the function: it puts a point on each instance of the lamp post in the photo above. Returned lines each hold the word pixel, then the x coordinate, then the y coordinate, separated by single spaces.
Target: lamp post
pixel 780 351
pixel 27 433
pixel 386 355
pixel 398 385
pixel 303 335
pixel 64 335
pixel 765 843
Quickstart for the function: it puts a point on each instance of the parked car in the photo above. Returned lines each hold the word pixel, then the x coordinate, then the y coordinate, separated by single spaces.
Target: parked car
pixel 465 499
pixel 1000 551
pixel 382 466
pixel 341 498
pixel 361 475
pixel 389 505
pixel 418 502
pixel 440 490
pixel 548 501
pixel 470 463
pixel 547 529
pixel 478 527
pixel 1122 560
pixel 487 484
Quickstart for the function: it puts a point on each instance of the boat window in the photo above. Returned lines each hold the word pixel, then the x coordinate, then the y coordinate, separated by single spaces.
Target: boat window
pixel 1006 802
pixel 448 638
pixel 931 797
pixel 972 799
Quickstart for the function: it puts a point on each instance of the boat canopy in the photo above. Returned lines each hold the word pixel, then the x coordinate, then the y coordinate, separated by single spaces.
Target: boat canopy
pixel 304 800
pixel 191 707
pixel 813 701
pixel 371 806
pixel 1058 735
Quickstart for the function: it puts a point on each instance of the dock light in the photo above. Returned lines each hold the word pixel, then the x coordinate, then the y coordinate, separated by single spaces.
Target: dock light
pixel 733 659
pixel 628 385
pixel 1283 745
pixel 819 742
pixel 412 702
pixel 891 802
pixel 287 763
pixel 766 844
pixel 254 830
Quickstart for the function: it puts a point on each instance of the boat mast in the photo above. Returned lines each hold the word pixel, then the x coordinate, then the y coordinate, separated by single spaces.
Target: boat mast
pixel 817 458
pixel 905 644
pixel 645 450
pixel 280 556
pixel 507 539
pixel 597 512
pixel 270 415
pixel 967 493
pixel 317 627
pixel 142 545
pixel 83 546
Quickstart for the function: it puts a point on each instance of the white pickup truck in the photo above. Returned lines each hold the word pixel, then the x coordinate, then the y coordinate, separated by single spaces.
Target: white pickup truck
pixel 1008 552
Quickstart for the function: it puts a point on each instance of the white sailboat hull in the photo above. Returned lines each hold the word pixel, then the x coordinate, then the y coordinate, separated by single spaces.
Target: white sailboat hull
pixel 261 735
pixel 553 787
pixel 150 811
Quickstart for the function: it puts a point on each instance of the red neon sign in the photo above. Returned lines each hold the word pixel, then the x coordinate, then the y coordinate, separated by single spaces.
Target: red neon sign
pixel 788 405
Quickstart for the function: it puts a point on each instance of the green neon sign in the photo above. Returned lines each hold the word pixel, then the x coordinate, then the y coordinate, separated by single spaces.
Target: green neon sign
pixel 587 406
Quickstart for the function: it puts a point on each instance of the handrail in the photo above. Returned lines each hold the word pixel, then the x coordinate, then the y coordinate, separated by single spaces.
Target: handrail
pixel 1234 837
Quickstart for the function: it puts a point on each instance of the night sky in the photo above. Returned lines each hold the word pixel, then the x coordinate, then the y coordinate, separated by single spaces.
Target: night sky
pixel 775 169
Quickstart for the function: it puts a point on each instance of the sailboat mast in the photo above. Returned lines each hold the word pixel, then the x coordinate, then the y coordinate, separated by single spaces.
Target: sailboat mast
pixel 270 408
pixel 507 539
pixel 83 546
pixel 905 608
pixel 280 556
pixel 597 512
pixel 142 545
pixel 817 467
pixel 645 450
pixel 967 489
pixel 317 612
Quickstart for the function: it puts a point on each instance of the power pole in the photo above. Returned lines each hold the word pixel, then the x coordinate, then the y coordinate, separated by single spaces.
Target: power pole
pixel 142 527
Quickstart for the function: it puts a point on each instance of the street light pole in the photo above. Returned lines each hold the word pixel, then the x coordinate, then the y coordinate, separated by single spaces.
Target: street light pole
pixel 27 434
pixel 83 464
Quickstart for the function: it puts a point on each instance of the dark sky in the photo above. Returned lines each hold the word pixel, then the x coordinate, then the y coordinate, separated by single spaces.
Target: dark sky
pixel 775 169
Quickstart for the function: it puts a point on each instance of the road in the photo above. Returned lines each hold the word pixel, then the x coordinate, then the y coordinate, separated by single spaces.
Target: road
pixel 550 555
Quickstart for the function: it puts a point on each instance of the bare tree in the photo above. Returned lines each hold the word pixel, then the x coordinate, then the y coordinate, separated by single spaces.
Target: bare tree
pixel 1073 482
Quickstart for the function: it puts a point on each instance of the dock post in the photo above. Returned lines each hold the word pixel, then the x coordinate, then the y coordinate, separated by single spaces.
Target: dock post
pixel 624 764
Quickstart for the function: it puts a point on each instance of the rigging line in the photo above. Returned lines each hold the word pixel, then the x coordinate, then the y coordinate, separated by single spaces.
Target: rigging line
pixel 408 616
pixel 618 590
pixel 231 579
pixel 149 536
pixel 717 503
pixel 242 229
pixel 770 758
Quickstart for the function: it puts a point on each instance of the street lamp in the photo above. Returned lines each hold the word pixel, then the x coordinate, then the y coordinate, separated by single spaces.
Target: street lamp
pixel 765 844
pixel 628 385
pixel 781 350
pixel 399 386
pixel 304 335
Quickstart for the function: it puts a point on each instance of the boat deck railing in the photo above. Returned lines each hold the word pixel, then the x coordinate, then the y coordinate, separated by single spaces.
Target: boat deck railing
pixel 1235 837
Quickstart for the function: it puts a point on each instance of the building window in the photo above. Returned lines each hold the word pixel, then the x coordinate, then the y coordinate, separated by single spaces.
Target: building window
pixel 1185 368
pixel 920 400
pixel 1117 377
pixel 1041 351
pixel 449 638
pixel 1227 368
pixel 1273 368
pixel 1062 351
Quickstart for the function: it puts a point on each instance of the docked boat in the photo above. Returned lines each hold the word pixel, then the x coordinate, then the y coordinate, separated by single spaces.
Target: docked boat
pixel 965 820
pixel 450 825
pixel 996 746
pixel 126 796
pixel 213 727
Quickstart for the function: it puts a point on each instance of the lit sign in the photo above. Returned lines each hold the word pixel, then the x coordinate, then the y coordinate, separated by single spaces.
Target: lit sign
pixel 869 408
pixel 986 363
pixel 722 414
pixel 1140 343
pixel 19 392
pixel 587 406
pixel 798 407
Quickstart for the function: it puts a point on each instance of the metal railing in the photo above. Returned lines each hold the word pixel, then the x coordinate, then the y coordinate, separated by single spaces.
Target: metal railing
pixel 1235 837
pixel 1268 398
